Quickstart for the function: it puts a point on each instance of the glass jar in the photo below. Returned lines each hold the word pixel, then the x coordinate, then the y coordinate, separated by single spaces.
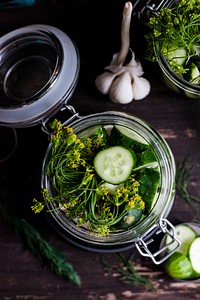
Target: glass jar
pixel 144 10
pixel 39 71
pixel 155 221
pixel 172 80
pixel 17 3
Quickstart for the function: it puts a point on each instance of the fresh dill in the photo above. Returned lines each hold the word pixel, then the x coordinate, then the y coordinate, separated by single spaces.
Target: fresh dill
pixel 175 29
pixel 50 256
pixel 127 272
pixel 77 190
pixel 183 177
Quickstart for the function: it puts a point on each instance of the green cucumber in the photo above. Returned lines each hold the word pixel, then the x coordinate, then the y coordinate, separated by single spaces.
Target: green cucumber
pixel 145 157
pixel 193 74
pixel 179 266
pixel 186 235
pixel 114 164
pixel 194 255
pixel 131 218
pixel 126 137
pixel 177 55
pixel 149 180
pixel 100 131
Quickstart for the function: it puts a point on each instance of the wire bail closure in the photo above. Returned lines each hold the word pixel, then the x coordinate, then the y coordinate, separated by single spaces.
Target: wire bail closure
pixel 144 10
pixel 164 226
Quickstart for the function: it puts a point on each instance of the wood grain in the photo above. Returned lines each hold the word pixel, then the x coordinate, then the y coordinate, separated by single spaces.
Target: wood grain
pixel 95 30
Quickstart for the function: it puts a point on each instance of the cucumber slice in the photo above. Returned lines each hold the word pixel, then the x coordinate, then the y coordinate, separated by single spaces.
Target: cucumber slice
pixel 114 164
pixel 194 254
pixel 111 187
pixel 179 266
pixel 127 138
pixel 177 55
pixel 193 75
pixel 186 235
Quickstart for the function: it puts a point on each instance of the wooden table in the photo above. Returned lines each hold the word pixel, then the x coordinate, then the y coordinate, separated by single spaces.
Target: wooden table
pixel 95 28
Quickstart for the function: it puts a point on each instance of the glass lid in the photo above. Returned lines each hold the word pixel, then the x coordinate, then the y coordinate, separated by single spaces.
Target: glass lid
pixel 39 67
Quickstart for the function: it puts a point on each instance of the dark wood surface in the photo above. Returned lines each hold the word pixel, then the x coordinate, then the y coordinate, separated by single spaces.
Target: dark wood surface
pixel 95 28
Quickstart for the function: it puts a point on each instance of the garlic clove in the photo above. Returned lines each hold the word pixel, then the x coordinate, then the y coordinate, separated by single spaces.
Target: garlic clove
pixel 135 66
pixel 140 87
pixel 121 89
pixel 104 81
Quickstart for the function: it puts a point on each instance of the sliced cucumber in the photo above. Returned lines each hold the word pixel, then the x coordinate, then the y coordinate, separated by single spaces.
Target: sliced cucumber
pixel 111 187
pixel 127 138
pixel 149 180
pixel 194 254
pixel 193 75
pixel 186 235
pixel 177 55
pixel 114 164
pixel 179 266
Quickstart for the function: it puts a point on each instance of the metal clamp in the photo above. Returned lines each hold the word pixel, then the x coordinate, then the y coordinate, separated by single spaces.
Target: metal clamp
pixel 158 257
pixel 146 9
pixel 73 115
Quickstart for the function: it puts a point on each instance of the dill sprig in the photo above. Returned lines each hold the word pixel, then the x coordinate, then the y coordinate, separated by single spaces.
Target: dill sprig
pixel 183 177
pixel 49 255
pixel 175 27
pixel 75 188
pixel 127 272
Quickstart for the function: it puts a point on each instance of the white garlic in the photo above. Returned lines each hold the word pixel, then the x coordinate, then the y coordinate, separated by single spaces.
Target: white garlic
pixel 122 82
pixel 104 81
pixel 121 89
pixel 135 66
pixel 141 87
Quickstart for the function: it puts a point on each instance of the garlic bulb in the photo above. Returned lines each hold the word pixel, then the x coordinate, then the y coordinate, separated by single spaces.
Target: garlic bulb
pixel 123 83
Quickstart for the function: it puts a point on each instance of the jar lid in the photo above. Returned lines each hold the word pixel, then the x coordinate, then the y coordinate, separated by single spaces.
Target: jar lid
pixel 39 70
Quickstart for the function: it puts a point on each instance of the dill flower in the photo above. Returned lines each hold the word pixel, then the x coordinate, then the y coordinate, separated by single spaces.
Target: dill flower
pixel 38 206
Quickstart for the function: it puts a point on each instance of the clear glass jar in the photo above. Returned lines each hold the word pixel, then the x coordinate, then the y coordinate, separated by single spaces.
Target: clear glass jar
pixel 144 10
pixel 172 80
pixel 51 58
pixel 83 126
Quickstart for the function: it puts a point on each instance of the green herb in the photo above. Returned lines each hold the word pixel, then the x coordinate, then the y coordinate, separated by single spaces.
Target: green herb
pixel 78 190
pixel 34 242
pixel 183 176
pixel 176 28
pixel 127 272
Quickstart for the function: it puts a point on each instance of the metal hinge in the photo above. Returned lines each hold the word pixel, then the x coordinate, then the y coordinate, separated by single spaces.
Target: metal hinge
pixel 144 10
pixel 160 255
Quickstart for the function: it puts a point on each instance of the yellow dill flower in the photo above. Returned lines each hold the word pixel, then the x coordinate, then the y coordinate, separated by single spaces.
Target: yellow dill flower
pixel 37 207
